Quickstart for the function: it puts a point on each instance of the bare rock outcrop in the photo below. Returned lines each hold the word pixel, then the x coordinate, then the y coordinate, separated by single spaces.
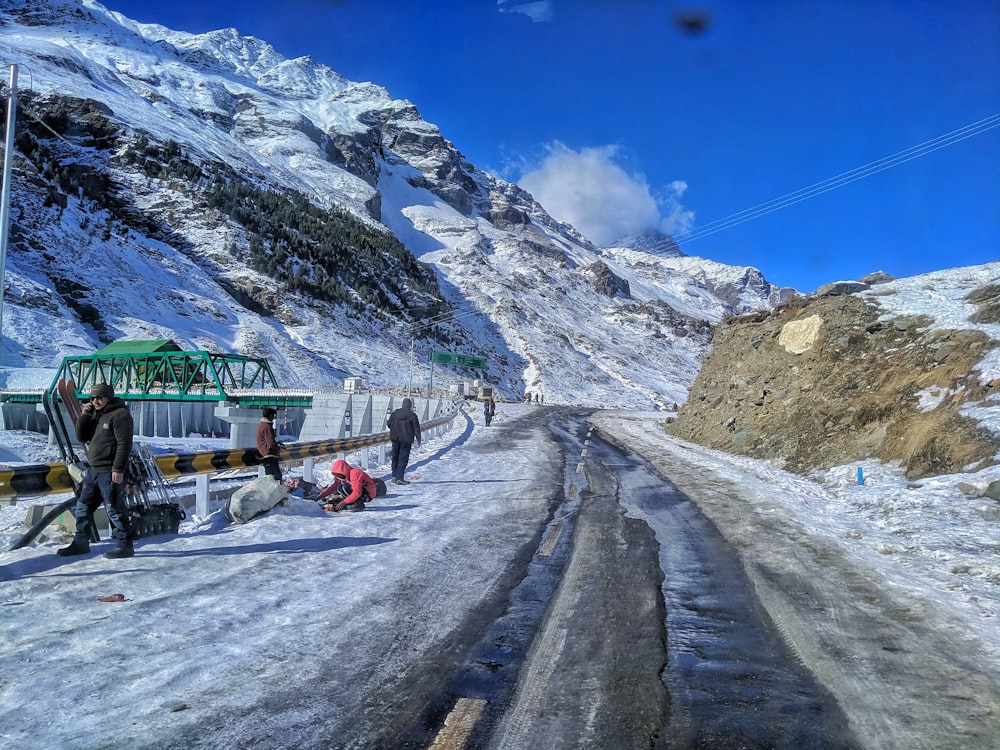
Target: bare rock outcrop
pixel 822 382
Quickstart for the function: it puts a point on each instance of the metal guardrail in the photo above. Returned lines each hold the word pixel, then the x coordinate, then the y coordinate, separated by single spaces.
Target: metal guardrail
pixel 38 480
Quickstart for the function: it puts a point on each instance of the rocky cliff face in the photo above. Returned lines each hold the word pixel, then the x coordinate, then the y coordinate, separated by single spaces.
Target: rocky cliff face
pixel 828 380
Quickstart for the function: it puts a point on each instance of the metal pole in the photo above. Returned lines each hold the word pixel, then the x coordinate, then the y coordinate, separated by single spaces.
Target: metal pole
pixel 409 382
pixel 8 160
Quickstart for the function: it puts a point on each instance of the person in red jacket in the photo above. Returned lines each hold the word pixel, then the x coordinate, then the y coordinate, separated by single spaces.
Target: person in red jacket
pixel 353 485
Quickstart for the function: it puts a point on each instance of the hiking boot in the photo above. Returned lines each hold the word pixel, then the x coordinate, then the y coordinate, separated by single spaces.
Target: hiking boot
pixel 124 549
pixel 356 506
pixel 79 546
pixel 399 481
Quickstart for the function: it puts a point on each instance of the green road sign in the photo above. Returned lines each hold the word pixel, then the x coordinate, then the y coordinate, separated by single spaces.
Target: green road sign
pixel 478 362
pixel 462 360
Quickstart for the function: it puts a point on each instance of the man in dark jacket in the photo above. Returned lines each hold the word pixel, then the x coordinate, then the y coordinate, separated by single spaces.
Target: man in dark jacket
pixel 404 429
pixel 106 427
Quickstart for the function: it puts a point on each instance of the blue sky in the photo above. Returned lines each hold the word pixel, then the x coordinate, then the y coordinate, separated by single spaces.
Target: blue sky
pixel 619 115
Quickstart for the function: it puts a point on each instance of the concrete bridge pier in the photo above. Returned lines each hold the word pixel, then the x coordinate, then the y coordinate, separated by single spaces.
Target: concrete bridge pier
pixel 243 423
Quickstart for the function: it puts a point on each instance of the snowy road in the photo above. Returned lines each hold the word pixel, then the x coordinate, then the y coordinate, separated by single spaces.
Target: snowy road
pixel 732 680
pixel 300 629
pixel 905 671
pixel 523 586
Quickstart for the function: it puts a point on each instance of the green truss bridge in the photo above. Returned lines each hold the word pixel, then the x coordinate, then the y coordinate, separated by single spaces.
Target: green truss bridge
pixel 159 370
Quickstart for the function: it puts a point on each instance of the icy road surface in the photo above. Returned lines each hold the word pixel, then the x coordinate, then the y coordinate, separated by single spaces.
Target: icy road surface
pixel 911 666
pixel 303 629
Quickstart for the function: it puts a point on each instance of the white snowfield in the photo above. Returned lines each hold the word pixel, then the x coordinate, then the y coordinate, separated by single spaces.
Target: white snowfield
pixel 301 625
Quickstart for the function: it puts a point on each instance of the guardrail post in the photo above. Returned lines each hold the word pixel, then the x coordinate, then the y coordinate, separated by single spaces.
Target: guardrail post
pixel 201 495
pixel 308 464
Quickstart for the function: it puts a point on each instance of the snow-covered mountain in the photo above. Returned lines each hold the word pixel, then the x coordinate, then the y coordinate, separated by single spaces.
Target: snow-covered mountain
pixel 206 189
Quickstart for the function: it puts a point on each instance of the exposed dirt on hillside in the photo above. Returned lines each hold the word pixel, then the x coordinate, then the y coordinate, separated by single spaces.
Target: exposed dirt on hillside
pixel 822 382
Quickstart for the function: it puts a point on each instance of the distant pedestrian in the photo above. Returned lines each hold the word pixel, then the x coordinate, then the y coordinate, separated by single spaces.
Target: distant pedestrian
pixel 106 427
pixel 268 447
pixel 404 429
pixel 489 410
pixel 351 487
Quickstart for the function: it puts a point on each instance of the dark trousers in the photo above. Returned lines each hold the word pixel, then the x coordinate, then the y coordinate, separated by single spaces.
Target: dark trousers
pixel 400 458
pixel 97 489
pixel 272 467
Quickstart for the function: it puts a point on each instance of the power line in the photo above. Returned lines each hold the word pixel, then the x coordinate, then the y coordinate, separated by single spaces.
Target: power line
pixel 448 316
pixel 845 178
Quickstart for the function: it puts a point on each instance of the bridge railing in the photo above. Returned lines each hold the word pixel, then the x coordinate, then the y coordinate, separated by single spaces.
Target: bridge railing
pixel 40 480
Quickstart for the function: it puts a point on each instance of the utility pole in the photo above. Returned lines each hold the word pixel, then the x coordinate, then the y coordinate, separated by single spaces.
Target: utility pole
pixel 409 382
pixel 8 160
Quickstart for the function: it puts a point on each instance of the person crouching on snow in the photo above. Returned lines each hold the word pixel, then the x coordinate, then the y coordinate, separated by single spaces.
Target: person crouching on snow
pixel 353 485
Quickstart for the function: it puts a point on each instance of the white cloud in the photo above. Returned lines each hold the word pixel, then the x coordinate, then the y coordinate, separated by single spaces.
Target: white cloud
pixel 538 11
pixel 675 218
pixel 588 189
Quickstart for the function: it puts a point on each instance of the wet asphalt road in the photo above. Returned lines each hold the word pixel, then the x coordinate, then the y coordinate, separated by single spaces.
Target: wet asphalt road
pixel 633 627
pixel 732 680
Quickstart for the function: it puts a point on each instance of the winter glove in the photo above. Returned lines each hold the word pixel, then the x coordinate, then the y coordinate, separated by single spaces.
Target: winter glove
pixel 339 506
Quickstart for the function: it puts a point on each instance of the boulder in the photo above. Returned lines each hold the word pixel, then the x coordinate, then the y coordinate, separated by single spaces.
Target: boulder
pixel 993 490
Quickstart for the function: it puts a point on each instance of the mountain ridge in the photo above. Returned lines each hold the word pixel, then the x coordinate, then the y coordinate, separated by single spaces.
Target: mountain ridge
pixel 219 108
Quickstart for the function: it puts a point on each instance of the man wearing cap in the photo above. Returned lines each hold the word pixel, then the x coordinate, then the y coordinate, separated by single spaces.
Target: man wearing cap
pixel 404 428
pixel 268 446
pixel 106 427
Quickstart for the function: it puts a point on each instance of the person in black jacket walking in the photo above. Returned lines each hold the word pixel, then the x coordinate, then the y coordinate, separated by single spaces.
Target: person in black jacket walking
pixel 404 429
pixel 106 427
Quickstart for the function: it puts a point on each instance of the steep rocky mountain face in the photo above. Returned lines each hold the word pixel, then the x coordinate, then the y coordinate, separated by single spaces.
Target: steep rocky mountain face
pixel 206 189
pixel 829 379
